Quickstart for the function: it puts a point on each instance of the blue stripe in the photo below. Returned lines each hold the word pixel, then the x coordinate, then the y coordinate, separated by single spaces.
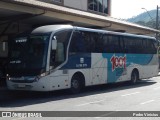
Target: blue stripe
pixel 140 59
pixel 78 61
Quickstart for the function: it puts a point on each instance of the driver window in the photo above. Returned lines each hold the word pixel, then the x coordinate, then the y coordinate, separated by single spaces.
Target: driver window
pixel 60 53
pixel 58 56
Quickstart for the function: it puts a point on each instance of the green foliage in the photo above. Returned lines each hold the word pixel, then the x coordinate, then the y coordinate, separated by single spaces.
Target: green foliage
pixel 147 19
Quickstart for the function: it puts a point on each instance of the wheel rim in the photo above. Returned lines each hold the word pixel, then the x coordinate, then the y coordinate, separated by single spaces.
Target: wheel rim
pixel 75 84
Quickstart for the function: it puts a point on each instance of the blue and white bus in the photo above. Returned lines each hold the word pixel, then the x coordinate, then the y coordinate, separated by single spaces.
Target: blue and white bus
pixel 56 57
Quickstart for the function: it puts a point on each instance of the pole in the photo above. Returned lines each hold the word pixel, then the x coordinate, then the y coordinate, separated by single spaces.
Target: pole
pixel 148 14
pixel 157 24
pixel 157 19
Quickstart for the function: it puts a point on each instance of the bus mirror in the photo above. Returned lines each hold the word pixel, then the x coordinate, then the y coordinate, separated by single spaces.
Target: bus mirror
pixel 54 43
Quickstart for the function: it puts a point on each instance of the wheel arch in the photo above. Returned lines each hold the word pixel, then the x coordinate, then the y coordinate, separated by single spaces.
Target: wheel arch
pixel 135 70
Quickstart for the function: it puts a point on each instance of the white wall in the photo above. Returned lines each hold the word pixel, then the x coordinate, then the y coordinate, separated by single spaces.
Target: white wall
pixel 78 4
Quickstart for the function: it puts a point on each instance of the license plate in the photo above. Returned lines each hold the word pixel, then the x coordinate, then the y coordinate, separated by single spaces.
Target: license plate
pixel 21 85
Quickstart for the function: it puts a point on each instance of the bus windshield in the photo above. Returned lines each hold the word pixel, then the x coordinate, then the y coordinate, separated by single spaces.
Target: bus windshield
pixel 28 54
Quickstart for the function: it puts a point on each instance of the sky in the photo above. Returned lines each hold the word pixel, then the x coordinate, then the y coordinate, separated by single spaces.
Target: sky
pixel 124 9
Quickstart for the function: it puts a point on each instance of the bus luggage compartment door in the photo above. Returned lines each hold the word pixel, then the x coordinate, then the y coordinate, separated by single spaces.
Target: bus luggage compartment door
pixel 99 69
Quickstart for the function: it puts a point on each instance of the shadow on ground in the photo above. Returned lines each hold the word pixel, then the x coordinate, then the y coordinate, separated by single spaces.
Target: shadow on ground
pixel 21 98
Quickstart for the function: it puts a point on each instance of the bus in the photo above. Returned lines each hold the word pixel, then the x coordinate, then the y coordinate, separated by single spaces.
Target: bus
pixel 56 57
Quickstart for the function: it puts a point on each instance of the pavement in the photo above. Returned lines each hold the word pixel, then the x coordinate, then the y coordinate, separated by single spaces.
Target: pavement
pixel 143 96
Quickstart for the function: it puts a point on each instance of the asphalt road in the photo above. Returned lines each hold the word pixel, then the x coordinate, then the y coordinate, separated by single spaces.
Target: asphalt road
pixel 143 96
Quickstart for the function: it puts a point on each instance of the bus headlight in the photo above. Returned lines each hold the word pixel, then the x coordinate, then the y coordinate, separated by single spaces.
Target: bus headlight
pixel 43 74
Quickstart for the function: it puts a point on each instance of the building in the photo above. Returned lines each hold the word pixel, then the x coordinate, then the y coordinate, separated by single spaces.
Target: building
pixel 17 16
pixel 20 15
pixel 93 6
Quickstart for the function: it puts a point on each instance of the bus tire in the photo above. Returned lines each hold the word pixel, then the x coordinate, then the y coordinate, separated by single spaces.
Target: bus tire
pixel 134 76
pixel 76 84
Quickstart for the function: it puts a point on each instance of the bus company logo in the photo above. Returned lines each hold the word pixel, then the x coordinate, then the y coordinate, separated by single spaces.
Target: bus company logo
pixel 6 114
pixel 118 62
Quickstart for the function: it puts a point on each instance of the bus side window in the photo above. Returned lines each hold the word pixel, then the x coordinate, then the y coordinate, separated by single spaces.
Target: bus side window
pixel 83 41
pixel 113 44
pixel 147 46
pixel 97 43
pixel 60 57
pixel 121 44
pixel 139 45
pixel 152 47
pixel 144 46
pixel 104 44
pixel 93 42
pixel 87 41
pixel 133 47
pixel 109 44
pixel 77 43
pixel 126 44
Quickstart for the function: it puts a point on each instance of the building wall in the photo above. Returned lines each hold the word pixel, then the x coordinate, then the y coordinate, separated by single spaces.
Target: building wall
pixel 83 5
pixel 80 5
pixel 109 7
pixel 77 4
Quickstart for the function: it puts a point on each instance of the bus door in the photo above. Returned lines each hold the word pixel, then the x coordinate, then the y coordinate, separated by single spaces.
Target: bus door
pixel 57 58
pixel 99 69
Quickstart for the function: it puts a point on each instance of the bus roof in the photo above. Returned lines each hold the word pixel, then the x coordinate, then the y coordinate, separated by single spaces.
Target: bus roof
pixel 115 33
pixel 51 28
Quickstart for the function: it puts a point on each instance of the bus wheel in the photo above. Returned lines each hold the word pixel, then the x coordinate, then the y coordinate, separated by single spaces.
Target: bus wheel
pixel 75 85
pixel 134 77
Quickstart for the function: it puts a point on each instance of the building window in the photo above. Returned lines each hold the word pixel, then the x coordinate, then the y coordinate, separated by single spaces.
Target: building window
pixel 52 1
pixel 100 6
